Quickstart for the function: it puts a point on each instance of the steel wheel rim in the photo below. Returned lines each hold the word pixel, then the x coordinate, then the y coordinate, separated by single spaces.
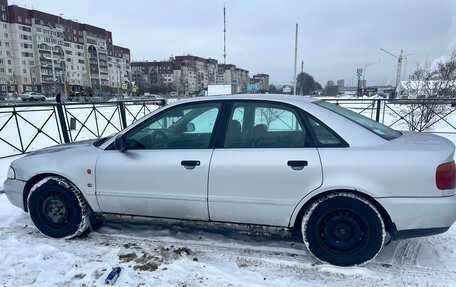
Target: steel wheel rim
pixel 55 209
pixel 343 231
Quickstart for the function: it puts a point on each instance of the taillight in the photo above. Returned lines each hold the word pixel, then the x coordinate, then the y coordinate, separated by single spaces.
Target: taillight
pixel 445 175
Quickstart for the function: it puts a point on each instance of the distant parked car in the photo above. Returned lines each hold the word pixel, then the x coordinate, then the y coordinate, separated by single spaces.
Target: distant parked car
pixel 3 96
pixel 152 97
pixel 346 183
pixel 33 96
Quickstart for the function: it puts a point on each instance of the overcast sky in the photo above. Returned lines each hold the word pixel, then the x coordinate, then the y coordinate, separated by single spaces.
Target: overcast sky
pixel 335 37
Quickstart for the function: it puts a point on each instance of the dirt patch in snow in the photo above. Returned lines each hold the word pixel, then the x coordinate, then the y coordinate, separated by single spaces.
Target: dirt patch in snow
pixel 150 261
pixel 78 276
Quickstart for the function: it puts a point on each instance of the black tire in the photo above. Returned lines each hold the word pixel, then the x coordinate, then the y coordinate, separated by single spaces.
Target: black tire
pixel 343 229
pixel 43 99
pixel 58 209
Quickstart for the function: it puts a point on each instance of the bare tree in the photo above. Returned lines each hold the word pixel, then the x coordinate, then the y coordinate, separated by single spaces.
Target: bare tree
pixel 428 92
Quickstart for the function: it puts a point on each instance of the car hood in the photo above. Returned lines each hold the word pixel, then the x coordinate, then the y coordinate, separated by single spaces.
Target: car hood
pixel 62 147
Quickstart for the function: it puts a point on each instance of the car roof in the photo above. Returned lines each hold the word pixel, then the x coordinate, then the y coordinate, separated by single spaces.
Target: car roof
pixel 269 97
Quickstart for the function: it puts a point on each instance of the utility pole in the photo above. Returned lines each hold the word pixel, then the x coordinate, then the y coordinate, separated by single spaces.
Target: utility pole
pixel 224 35
pixel 302 84
pixel 295 60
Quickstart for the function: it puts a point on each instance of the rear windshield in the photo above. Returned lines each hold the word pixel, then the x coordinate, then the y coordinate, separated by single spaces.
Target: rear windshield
pixel 375 127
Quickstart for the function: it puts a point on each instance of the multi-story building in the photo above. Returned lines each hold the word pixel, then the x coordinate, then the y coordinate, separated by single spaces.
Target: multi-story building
pixel 41 51
pixel 187 75
pixel 262 80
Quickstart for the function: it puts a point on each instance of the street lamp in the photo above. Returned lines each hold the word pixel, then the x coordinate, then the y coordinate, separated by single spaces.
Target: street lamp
pixel 31 78
pixel 359 72
pixel 364 70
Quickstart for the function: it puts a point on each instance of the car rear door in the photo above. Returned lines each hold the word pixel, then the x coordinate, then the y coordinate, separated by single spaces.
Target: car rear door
pixel 265 166
pixel 163 172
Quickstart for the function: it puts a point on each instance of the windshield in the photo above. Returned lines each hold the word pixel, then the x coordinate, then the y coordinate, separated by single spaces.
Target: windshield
pixel 375 127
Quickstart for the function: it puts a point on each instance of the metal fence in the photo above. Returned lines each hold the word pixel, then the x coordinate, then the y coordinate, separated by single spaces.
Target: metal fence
pixel 28 127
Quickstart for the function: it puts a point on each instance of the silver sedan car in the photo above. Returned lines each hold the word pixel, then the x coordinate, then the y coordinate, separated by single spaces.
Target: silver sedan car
pixel 347 184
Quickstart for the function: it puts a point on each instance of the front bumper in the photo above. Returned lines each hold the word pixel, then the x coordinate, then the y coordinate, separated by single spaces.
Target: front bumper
pixel 418 213
pixel 14 190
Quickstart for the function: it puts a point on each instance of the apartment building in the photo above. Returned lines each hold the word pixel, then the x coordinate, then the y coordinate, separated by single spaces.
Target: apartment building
pixel 230 74
pixel 263 81
pixel 186 75
pixel 45 52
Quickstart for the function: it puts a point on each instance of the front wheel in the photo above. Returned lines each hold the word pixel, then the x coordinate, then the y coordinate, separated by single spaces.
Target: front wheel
pixel 343 229
pixel 58 209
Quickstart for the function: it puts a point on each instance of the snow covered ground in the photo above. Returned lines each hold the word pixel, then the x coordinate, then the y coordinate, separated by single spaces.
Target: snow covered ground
pixel 165 255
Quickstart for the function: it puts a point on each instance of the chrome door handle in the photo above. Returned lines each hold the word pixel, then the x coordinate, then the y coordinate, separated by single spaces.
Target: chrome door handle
pixel 297 164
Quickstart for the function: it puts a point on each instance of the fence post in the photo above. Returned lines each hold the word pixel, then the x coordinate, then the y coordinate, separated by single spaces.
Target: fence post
pixel 63 125
pixel 377 115
pixel 122 114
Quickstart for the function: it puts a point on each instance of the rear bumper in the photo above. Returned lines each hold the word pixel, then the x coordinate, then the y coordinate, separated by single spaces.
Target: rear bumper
pixel 14 192
pixel 418 216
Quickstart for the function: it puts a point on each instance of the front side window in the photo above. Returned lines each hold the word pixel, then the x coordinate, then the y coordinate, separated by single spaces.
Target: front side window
pixel 265 125
pixel 183 127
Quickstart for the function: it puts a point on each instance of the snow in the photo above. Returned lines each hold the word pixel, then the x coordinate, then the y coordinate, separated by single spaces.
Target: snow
pixel 173 255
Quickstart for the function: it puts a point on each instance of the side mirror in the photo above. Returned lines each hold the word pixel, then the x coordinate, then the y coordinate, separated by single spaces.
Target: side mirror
pixel 190 127
pixel 120 143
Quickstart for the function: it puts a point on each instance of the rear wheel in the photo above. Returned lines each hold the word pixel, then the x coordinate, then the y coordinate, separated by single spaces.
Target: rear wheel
pixel 58 209
pixel 343 229
pixel 43 99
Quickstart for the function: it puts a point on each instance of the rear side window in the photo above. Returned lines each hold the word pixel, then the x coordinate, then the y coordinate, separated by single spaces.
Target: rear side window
pixel 265 125
pixel 323 136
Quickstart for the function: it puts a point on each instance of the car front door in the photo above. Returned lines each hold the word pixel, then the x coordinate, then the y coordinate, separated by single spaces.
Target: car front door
pixel 163 171
pixel 266 165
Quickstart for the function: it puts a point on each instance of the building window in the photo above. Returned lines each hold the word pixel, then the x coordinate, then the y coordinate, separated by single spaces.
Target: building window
pixel 26 29
pixel 9 62
pixel 3 8
pixel 7 44
pixel 6 35
pixel 28 21
pixel 5 26
pixel 4 17
pixel 24 71
pixel 24 62
pixel 19 19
